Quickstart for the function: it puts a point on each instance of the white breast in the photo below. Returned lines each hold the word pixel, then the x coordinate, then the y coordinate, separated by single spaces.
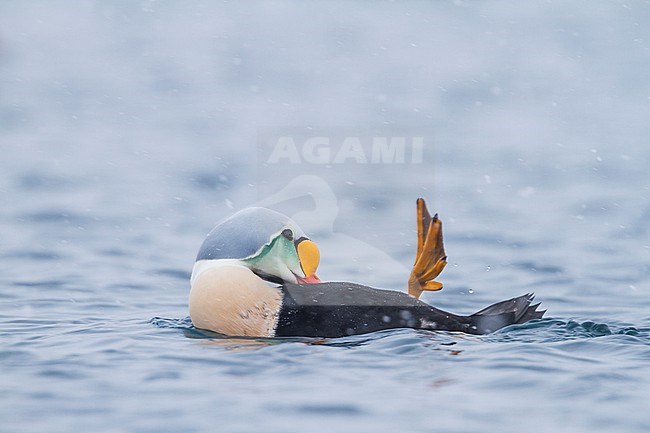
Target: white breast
pixel 232 300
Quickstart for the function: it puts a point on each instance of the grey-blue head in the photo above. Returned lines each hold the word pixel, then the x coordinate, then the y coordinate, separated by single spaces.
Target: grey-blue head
pixel 268 242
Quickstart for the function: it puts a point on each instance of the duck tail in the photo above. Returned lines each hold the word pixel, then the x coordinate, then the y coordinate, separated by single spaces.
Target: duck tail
pixel 512 311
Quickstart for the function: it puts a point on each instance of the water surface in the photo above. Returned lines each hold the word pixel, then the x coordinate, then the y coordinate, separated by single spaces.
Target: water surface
pixel 128 129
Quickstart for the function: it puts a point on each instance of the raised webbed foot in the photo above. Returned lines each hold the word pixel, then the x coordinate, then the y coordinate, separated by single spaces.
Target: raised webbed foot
pixel 430 259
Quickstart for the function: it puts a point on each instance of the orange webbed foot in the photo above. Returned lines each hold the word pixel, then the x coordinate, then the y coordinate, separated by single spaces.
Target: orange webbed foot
pixel 430 258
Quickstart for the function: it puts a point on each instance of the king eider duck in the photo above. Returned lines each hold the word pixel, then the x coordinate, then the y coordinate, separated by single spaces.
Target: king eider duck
pixel 255 276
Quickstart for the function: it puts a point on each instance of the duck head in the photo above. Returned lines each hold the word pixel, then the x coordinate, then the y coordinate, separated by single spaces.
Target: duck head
pixel 265 241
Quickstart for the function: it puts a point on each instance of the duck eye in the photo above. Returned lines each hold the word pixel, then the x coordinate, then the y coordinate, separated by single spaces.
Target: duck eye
pixel 287 233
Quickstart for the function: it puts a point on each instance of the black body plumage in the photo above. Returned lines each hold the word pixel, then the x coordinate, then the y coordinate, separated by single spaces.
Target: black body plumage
pixel 337 309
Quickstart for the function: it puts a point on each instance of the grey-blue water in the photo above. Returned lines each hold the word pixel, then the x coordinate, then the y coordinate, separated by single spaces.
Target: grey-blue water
pixel 128 128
